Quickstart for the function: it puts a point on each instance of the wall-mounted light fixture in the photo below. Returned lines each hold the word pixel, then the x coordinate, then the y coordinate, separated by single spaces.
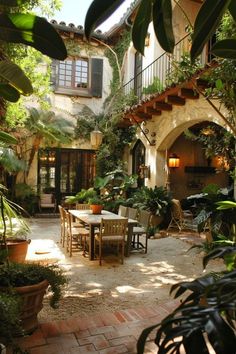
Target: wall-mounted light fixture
pixel 96 137
pixel 144 171
pixel 173 161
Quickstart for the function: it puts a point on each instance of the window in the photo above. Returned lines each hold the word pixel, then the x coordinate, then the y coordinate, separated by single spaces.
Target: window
pixel 73 74
pixel 79 76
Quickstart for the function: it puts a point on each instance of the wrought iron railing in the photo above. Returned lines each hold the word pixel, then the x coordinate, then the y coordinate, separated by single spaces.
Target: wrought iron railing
pixel 165 70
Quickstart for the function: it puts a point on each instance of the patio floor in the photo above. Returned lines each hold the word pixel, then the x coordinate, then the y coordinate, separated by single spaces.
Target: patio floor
pixel 104 332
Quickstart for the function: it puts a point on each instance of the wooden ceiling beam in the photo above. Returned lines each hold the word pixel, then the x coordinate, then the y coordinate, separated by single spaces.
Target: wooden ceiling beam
pixel 143 116
pixel 176 100
pixel 189 93
pixel 153 111
pixel 163 106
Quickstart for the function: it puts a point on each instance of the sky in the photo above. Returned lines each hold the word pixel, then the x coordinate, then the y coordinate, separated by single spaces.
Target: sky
pixel 74 11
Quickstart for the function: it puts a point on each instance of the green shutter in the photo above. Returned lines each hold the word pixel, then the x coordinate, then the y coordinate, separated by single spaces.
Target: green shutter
pixel 96 77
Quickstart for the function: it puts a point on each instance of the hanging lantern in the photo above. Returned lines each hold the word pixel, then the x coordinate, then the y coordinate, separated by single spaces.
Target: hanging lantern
pixel 96 138
pixel 173 161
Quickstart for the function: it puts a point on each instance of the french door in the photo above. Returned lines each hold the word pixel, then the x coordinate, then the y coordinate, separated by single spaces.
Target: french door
pixel 65 171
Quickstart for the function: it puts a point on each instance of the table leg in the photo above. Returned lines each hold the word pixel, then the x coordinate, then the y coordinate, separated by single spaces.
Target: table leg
pixel 129 241
pixel 91 243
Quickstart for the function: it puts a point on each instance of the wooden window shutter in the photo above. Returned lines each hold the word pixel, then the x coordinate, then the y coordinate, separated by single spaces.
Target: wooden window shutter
pixel 54 74
pixel 96 77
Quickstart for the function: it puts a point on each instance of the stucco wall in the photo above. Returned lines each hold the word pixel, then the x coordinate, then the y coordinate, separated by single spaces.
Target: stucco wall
pixel 168 127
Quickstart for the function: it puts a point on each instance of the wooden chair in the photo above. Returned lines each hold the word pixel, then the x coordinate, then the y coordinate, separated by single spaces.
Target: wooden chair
pixel 75 236
pixel 144 217
pixel 80 206
pixel 112 231
pixel 132 213
pixel 122 211
pixel 62 224
pixel 47 201
pixel 181 219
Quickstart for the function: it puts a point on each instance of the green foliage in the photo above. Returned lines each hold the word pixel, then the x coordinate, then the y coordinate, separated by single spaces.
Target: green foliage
pixel 155 87
pixel 110 154
pixel 11 222
pixel 216 141
pixel 120 49
pixel 23 274
pixel 9 316
pixel 82 196
pixel 96 200
pixel 27 197
pixel 156 200
pixel 220 221
pixel 206 23
pixel 182 70
pixel 206 314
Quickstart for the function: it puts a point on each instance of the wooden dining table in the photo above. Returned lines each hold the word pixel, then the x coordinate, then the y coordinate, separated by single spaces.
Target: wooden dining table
pixel 94 220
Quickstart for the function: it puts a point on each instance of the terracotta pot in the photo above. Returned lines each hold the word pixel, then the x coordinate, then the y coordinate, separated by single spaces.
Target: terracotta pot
pixel 32 304
pixel 96 208
pixel 156 220
pixel 17 249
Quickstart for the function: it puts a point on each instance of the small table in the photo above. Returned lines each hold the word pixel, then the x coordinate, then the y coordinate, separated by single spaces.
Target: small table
pixel 94 220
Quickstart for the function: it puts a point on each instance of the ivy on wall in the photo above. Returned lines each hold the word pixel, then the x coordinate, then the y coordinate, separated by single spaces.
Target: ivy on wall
pixel 115 138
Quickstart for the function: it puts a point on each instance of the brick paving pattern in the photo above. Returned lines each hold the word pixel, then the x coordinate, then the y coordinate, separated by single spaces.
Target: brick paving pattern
pixel 102 333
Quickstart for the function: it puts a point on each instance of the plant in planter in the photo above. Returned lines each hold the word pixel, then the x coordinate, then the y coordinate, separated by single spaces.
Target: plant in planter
pixel 13 229
pixel 156 200
pixel 29 282
pixel 81 197
pixel 96 204
pixel 9 317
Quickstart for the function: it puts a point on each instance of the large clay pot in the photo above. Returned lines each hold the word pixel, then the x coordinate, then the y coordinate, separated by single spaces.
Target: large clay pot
pixel 17 249
pixel 156 220
pixel 96 208
pixel 32 303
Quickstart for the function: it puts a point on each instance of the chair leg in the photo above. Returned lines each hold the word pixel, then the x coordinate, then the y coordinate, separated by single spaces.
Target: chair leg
pixel 100 253
pixel 122 252
pixel 146 243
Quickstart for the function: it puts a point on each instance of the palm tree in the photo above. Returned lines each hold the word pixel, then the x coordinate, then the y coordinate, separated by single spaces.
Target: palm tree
pixel 42 127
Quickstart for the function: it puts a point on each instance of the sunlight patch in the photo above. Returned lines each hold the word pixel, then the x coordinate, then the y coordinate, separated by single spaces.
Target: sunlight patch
pixel 128 289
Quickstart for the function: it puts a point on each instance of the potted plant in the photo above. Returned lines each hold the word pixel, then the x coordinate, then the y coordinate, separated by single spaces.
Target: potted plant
pixel 13 229
pixel 29 283
pixel 156 200
pixel 81 197
pixel 96 204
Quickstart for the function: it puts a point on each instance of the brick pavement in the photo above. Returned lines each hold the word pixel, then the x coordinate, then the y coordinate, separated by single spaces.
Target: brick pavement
pixel 101 333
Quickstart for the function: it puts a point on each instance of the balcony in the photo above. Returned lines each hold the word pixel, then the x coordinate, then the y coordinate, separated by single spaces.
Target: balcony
pixel 167 81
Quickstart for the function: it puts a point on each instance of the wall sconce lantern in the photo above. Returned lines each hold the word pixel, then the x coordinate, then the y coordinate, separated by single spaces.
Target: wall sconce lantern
pixel 96 138
pixel 144 171
pixel 173 161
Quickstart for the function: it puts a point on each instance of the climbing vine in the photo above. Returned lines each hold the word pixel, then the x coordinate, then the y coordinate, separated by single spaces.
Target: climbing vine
pixel 115 138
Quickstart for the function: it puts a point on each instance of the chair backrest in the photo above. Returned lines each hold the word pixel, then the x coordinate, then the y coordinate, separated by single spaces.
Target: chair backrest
pixel 46 199
pixel 176 209
pixel 62 213
pixel 122 211
pixel 82 206
pixel 113 227
pixel 144 218
pixel 132 213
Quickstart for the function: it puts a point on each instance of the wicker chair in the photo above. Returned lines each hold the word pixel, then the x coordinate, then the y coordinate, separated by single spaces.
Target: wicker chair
pixel 181 219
